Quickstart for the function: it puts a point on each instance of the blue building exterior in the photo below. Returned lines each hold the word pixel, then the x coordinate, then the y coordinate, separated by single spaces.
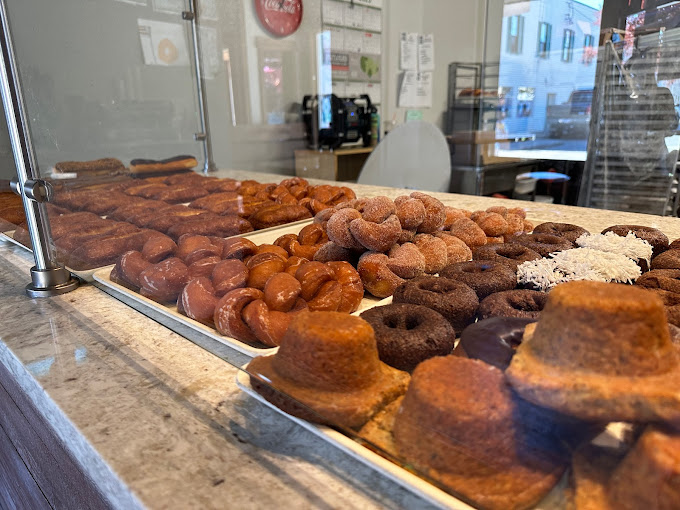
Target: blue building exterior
pixel 548 50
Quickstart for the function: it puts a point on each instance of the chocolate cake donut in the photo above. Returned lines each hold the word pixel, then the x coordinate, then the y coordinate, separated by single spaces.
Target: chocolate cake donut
pixel 483 276
pixel 669 259
pixel 664 279
pixel 456 301
pixel 408 334
pixel 565 230
pixel 510 254
pixel 653 236
pixel 493 340
pixel 521 303
pixel 543 244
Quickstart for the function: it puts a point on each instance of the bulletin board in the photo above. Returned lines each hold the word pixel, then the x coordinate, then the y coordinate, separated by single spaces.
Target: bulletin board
pixel 355 28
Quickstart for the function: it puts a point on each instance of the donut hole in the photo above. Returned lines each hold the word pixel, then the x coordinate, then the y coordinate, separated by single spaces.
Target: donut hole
pixel 436 285
pixel 407 323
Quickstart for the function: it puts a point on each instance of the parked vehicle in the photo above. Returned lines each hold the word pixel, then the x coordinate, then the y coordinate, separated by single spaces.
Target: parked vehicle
pixel 571 119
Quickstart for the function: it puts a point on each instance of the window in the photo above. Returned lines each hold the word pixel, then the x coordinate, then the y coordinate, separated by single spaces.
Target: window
pixel 568 45
pixel 515 34
pixel 589 53
pixel 544 33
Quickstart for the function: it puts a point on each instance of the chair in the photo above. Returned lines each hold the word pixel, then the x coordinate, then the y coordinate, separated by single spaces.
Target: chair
pixel 414 155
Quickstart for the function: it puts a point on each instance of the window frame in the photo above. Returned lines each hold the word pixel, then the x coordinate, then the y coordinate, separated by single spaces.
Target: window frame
pixel 568 39
pixel 543 47
pixel 514 44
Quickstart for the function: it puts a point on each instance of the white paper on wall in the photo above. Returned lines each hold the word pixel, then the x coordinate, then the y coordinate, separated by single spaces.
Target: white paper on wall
pixel 374 3
pixel 169 6
pixel 424 90
pixel 163 44
pixel 354 41
pixel 415 90
pixel 408 51
pixel 337 38
pixel 371 43
pixel 373 20
pixel 354 16
pixel 333 12
pixel 340 88
pixel 426 52
pixel 354 89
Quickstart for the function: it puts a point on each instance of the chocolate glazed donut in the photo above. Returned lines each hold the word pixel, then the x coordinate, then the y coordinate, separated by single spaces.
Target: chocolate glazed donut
pixel 543 244
pixel 565 230
pixel 483 276
pixel 456 301
pixel 408 334
pixel 493 340
pixel 511 254
pixel 513 303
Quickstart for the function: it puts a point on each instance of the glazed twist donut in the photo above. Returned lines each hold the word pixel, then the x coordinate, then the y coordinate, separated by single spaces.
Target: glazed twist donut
pixel 164 281
pixel 330 287
pixel 198 300
pixel 128 268
pixel 229 274
pixel 305 244
pixel 262 266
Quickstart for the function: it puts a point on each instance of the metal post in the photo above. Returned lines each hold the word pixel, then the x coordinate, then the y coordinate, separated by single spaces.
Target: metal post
pixel 204 135
pixel 48 277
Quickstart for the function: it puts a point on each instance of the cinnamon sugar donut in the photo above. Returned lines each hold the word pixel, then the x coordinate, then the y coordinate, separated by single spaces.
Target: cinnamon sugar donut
pixel 376 236
pixel 469 232
pixel 483 276
pixel 456 301
pixel 511 254
pixel 543 244
pixel 521 303
pixel 456 249
pixel 338 231
pixel 435 213
pixel 434 251
pixel 377 277
pixel 333 251
pixel 493 224
pixel 566 230
pixel 407 260
pixel 410 211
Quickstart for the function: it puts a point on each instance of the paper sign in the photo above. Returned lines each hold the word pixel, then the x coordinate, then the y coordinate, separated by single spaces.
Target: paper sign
pixel 337 38
pixel 163 44
pixel 415 90
pixel 371 43
pixel 426 52
pixel 333 12
pixel 373 20
pixel 354 16
pixel 408 57
pixel 374 92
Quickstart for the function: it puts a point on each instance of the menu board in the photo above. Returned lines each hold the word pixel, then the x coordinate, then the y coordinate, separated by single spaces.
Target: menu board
pixel 356 46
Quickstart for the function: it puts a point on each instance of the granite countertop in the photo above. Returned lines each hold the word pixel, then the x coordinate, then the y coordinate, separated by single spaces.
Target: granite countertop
pixel 157 420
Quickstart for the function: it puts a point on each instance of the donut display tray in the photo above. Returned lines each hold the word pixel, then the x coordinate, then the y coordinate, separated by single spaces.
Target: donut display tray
pixel 170 311
pixel 436 496
pixel 87 274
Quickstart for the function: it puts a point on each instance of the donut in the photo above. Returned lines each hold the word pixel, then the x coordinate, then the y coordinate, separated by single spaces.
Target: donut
pixel 675 245
pixel 510 254
pixel 665 279
pixel 262 266
pixel 493 224
pixel 281 292
pixel 377 277
pixel 229 274
pixel 407 260
pixel 669 259
pixel 338 231
pixel 434 251
pixel 410 211
pixel 523 303
pixel 456 249
pixel 376 236
pixel 653 236
pixel 456 301
pixel 407 334
pixel 435 213
pixel 493 340
pixel 483 276
pixel 468 231
pixel 203 267
pixel 158 248
pixel 543 244
pixel 332 251
pixel 164 281
pixel 197 300
pixel 129 267
pixel 565 230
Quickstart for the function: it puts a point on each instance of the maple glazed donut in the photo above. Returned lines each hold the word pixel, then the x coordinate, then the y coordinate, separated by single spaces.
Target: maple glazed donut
pixel 456 301
pixel 565 230
pixel 408 334
pixel 523 303
pixel 483 276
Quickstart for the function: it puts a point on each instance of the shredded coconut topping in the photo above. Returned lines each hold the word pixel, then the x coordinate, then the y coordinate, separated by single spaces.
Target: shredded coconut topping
pixel 578 264
pixel 630 246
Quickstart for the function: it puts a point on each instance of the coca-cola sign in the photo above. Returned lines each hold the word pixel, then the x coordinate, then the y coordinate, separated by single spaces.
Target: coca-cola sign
pixel 279 17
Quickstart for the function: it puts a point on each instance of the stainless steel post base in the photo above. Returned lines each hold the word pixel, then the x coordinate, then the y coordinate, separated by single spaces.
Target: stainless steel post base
pixel 51 282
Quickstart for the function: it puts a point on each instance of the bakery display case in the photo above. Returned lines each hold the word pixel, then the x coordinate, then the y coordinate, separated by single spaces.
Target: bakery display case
pixel 261 339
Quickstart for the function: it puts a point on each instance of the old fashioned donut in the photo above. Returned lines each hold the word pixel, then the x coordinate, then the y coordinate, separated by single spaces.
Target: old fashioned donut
pixel 543 244
pixel 523 303
pixel 510 254
pixel 407 334
pixel 483 276
pixel 456 301
pixel 653 236
pixel 665 279
pixel 566 230
pixel 669 259
pixel 493 340
pixel 468 231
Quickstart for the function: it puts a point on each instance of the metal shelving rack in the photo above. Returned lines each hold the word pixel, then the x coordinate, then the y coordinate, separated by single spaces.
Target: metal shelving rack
pixel 477 110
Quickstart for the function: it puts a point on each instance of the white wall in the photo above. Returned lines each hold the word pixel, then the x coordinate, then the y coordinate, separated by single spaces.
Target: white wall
pixel 458 28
